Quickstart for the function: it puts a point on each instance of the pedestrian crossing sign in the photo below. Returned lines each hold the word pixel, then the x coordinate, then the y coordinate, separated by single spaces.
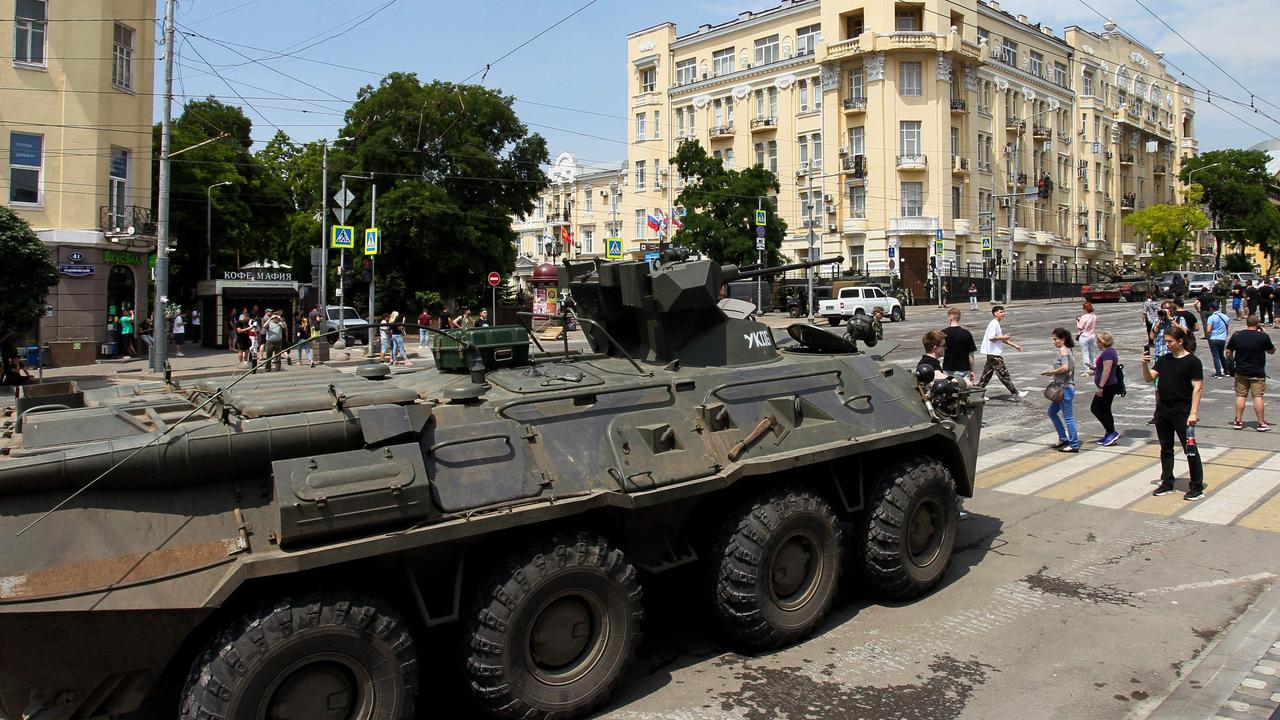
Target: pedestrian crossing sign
pixel 613 248
pixel 986 243
pixel 343 237
pixel 938 248
pixel 762 218
pixel 371 239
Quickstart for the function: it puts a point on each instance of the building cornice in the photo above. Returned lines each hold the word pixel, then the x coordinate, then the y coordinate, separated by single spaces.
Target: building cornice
pixel 738 76
pixel 762 17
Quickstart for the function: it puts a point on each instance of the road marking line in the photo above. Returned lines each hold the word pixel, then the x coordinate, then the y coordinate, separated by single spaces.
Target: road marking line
pixel 1014 449
pixel 1216 474
pixel 1141 483
pixel 1141 457
pixel 1207 584
pixel 1019 468
pixel 1266 517
pixel 1237 497
pixel 1063 468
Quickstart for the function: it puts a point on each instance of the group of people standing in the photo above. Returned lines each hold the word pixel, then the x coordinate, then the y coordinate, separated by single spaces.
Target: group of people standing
pixel 261 337
pixel 1261 299
pixel 131 330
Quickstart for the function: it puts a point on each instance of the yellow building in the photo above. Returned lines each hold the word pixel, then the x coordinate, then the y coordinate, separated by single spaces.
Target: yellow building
pixel 76 158
pixel 892 124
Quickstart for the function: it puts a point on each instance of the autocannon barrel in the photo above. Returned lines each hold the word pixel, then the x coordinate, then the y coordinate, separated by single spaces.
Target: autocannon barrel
pixel 733 272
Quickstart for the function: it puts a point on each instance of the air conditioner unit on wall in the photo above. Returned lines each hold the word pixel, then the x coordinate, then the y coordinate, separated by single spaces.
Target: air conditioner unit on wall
pixel 1006 202
pixel 826 197
pixel 831 227
pixel 844 150
pixel 803 169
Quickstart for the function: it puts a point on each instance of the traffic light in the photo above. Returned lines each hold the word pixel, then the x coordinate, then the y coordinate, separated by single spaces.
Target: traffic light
pixel 1045 187
pixel 933 261
pixel 347 276
pixel 368 270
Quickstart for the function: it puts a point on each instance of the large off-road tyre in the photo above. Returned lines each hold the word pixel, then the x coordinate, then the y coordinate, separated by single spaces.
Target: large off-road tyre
pixel 331 656
pixel 776 568
pixel 896 315
pixel 553 631
pixel 834 320
pixel 905 537
pixel 793 311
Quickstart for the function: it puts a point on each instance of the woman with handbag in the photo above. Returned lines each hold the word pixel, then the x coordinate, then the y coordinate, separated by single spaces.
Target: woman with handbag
pixel 1061 391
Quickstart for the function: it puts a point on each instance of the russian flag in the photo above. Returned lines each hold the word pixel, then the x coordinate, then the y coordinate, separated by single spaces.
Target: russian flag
pixel 654 222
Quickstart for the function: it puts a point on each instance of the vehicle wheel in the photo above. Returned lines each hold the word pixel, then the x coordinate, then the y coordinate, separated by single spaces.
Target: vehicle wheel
pixel 776 568
pixel 904 539
pixel 834 321
pixel 554 630
pixel 336 656
pixel 895 315
pixel 793 312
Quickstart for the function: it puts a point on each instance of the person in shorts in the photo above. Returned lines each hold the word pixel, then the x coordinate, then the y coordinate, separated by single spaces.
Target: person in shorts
pixel 1249 348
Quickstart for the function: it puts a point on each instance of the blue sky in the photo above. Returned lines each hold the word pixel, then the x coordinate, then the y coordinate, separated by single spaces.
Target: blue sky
pixel 260 50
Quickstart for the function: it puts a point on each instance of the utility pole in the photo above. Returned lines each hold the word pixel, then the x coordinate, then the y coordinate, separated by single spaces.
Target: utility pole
pixel 759 261
pixel 1013 212
pixel 324 234
pixel 810 272
pixel 161 328
pixel 341 342
pixel 373 269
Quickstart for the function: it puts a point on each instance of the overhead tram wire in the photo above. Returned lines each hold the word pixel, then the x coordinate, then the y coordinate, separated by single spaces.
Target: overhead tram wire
pixel 237 94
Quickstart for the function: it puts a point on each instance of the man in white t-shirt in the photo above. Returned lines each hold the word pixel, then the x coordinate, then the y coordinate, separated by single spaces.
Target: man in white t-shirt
pixel 993 342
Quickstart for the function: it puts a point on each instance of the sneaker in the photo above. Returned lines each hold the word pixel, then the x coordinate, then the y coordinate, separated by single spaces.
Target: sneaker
pixel 1163 490
pixel 1023 393
pixel 1060 444
pixel 1069 449
pixel 1263 427
pixel 1111 439
pixel 180 355
pixel 1237 424
pixel 1193 495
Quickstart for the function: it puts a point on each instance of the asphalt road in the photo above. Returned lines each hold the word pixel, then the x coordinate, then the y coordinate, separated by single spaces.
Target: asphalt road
pixel 1074 594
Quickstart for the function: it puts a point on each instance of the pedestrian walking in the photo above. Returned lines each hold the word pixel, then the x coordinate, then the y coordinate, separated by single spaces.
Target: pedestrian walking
pixel 384 338
pixel 1275 302
pixel 398 352
pixel 306 353
pixel 1087 334
pixel 243 343
pixel 1062 391
pixel 1150 314
pixel 1217 328
pixel 958 359
pixel 973 296
pixel 1107 380
pixel 946 293
pixel 1248 349
pixel 179 332
pixel 1189 321
pixel 1205 302
pixel 1237 300
pixel 424 322
pixel 993 342
pixel 273 332
pixel 126 334
pixel 1181 384
pixel 196 335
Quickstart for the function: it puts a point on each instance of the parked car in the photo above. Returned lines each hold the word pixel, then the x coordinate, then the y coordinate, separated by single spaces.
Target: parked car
pixel 1201 281
pixel 355 328
pixel 1242 277
pixel 1166 281
pixel 860 300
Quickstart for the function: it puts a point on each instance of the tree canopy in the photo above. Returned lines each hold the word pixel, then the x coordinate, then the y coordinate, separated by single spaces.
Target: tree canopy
pixel 453 164
pixel 1234 186
pixel 1171 230
pixel 27 273
pixel 721 208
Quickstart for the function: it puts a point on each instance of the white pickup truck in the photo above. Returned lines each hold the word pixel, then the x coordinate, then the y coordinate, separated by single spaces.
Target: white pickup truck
pixel 859 300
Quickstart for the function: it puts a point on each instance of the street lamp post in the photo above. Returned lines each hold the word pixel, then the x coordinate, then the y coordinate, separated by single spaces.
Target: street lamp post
pixel 373 222
pixel 208 229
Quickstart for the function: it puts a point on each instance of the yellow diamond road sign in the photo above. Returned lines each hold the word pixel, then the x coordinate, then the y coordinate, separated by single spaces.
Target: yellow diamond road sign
pixel 371 239
pixel 343 237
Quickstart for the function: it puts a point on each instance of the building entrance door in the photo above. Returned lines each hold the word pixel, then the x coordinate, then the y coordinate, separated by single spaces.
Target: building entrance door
pixel 915 270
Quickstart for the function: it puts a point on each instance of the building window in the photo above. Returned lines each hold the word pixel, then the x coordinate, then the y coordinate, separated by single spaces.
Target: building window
pixel 1060 74
pixel 648 79
pixel 722 61
pixel 29 31
pixel 717 112
pixel 857 201
pixel 815 199
pixel 767 50
pixel 1009 53
pixel 767 103
pixel 642 224
pixel 854 25
pixel 857 141
pixel 909 137
pixel 686 71
pixel 773 102
pixel 807 39
pixel 640 126
pixel 773 156
pixel 906 20
pixel 857 83
pixel 802 143
pixel 912 199
pixel 909 78
pixel 640 178
pixel 760 158
pixel 1037 64
pixel 955 202
pixel 588 237
pixel 657 124
pixel 728 158
pixel 955 142
pixel 984 36
pixel 816 140
pixel 587 200
pixel 803 91
pixel 122 58
pixel 117 187
pixel 26 160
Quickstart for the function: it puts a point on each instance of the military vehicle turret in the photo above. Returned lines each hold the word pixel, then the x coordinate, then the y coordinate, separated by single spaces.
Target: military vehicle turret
pixel 1120 284
pixel 278 547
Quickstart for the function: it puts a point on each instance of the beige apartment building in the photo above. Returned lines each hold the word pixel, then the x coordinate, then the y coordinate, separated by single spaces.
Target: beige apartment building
pixel 896 128
pixel 75 161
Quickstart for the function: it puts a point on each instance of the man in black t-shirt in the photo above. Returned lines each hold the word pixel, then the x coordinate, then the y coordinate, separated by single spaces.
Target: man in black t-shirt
pixel 1204 304
pixel 958 359
pixel 935 344
pixel 1248 349
pixel 1265 293
pixel 1177 408
pixel 1190 320
pixel 1250 298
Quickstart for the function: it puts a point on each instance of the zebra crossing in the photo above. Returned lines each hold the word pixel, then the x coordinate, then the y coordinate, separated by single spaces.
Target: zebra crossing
pixel 1242 484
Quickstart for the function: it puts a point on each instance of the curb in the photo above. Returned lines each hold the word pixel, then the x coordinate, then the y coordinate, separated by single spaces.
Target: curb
pixel 1218 673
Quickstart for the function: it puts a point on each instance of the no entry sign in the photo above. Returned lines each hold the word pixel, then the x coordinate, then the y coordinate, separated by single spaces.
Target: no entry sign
pixel 494 279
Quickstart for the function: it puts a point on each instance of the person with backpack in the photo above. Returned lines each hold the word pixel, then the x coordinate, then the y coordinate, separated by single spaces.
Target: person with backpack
pixel 1216 330
pixel 1108 377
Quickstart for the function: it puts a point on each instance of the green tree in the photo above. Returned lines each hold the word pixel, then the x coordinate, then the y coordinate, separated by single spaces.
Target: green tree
pixel 298 166
pixel 248 214
pixel 1171 230
pixel 27 273
pixel 1234 186
pixel 453 165
pixel 721 208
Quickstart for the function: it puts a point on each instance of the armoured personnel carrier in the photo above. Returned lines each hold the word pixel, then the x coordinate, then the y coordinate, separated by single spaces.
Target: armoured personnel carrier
pixel 275 548
pixel 1127 285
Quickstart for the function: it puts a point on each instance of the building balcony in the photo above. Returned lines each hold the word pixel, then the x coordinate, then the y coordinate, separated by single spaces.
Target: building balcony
pixel 844 48
pixel 913 162
pixel 1128 202
pixel 1022 235
pixel 984 166
pixel 854 226
pixel 913 225
pixel 959 165
pixel 855 104
pixel 1041 132
pixel 764 123
pixel 963 226
pixel 1189 144
pixel 1129 249
pixel 959 106
pixel 1160 169
pixel 854 166
pixel 722 131
pixel 1013 124
pixel 126 220
pixel 909 40
pixel 1126 158
pixel 1044 238
pixel 1082 219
